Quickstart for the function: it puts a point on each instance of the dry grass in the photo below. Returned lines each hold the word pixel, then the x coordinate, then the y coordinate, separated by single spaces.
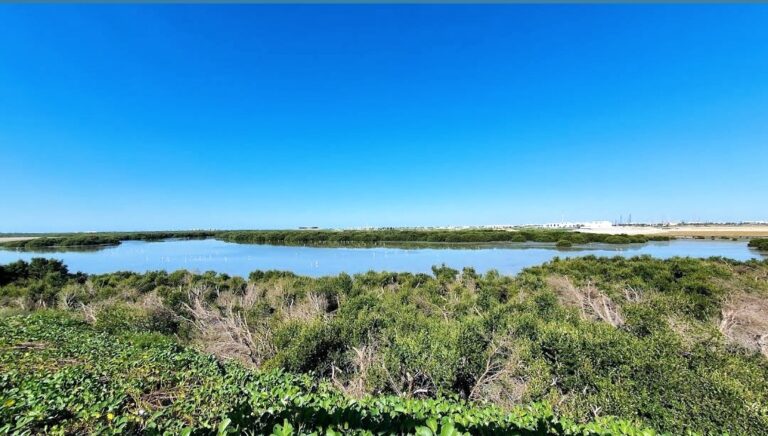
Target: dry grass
pixel 744 321
pixel 307 309
pixel 364 360
pixel 502 381
pixel 158 398
pixel 17 238
pixel 25 346
pixel 591 303
pixel 691 332
pixel 225 332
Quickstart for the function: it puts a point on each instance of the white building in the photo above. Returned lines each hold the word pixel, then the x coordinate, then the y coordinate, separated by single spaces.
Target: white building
pixel 579 225
pixel 597 225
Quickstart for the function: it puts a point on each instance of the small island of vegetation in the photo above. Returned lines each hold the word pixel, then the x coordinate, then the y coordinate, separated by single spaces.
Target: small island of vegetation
pixel 760 244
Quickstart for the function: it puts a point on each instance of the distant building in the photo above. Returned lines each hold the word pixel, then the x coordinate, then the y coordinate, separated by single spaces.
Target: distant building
pixel 561 225
pixel 572 225
pixel 598 225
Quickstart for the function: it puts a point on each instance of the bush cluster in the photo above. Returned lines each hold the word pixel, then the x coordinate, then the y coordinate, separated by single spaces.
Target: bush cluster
pixel 760 244
pixel 656 342
pixel 61 376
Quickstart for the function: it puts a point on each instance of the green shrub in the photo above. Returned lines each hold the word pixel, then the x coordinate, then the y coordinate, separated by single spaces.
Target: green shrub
pixel 617 239
pixel 662 361
pixel 65 378
pixel 117 318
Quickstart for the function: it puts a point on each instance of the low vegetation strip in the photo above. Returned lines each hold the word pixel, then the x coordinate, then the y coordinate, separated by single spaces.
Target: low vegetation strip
pixel 455 236
pixel 61 376
pixel 336 237
pixel 677 345
pixel 63 241
pixel 97 239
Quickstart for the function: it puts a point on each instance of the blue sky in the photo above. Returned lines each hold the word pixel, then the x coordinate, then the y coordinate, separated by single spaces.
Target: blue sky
pixel 253 116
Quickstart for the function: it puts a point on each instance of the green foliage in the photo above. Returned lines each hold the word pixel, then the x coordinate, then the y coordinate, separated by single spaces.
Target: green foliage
pixel 306 237
pixel 120 317
pixel 60 376
pixel 760 244
pixel 99 239
pixel 66 241
pixel 37 282
pixel 662 362
pixel 333 237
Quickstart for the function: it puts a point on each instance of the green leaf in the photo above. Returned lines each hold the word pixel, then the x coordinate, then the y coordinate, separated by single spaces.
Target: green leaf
pixel 423 431
pixel 222 429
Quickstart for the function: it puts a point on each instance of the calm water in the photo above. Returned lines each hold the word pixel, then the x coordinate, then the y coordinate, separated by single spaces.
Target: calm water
pixel 240 259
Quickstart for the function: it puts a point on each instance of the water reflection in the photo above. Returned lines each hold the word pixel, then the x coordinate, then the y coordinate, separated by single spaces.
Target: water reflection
pixel 48 250
pixel 240 259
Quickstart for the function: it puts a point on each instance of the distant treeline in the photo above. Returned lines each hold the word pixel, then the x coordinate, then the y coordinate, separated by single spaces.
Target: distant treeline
pixel 64 241
pixel 95 239
pixel 760 244
pixel 338 237
pixel 304 237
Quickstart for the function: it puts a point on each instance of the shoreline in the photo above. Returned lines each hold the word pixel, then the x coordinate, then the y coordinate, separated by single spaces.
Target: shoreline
pixel 683 231
pixel 16 238
pixel 734 231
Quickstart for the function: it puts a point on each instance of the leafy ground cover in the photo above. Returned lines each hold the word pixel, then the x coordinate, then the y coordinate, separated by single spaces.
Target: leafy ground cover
pixel 59 375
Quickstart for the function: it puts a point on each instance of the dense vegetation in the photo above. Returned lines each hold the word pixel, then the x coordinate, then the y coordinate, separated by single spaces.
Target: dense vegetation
pixel 761 244
pixel 96 239
pixel 302 237
pixel 61 375
pixel 79 240
pixel 336 237
pixel 675 344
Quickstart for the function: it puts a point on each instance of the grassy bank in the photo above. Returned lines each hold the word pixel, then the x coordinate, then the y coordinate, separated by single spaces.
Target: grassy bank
pixel 677 345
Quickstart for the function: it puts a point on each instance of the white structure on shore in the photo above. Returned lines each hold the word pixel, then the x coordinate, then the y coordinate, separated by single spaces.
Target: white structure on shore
pixel 598 225
pixel 575 225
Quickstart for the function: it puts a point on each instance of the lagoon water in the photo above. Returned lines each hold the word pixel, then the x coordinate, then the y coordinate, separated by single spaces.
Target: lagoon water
pixel 240 259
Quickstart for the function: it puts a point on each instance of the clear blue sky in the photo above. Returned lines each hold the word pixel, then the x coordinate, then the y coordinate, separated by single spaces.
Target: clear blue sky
pixel 252 116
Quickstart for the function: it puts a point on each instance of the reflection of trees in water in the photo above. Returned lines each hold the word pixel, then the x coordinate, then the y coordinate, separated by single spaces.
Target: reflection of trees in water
pixel 47 250
pixel 593 246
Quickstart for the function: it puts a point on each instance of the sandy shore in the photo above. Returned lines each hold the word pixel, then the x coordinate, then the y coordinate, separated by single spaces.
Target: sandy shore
pixel 16 238
pixel 743 231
